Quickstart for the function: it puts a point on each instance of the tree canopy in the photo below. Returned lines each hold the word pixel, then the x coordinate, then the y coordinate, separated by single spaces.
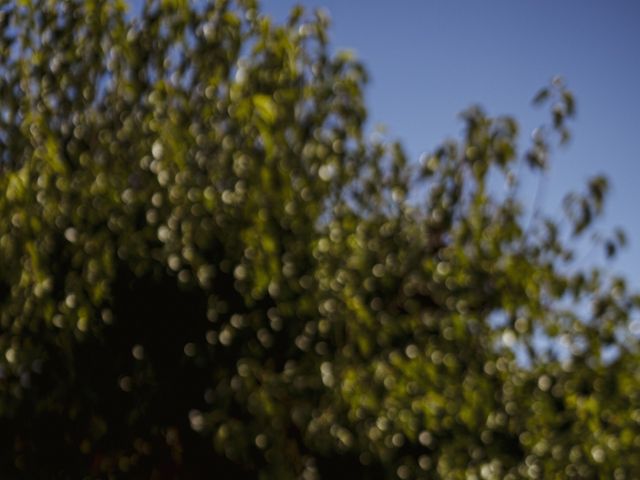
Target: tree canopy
pixel 207 267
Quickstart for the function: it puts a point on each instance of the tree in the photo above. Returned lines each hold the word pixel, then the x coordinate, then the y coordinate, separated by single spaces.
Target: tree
pixel 207 268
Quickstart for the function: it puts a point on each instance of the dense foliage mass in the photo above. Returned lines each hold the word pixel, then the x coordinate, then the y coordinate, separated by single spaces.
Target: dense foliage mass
pixel 207 269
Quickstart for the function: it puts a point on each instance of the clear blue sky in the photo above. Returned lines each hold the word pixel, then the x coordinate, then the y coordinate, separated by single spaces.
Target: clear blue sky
pixel 428 60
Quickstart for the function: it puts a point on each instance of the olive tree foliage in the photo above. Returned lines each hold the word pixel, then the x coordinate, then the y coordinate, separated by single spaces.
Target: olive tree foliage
pixel 207 267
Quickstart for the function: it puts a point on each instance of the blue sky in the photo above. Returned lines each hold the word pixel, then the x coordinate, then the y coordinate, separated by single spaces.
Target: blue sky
pixel 429 60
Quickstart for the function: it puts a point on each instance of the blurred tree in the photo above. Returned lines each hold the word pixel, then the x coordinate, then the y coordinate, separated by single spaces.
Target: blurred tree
pixel 207 269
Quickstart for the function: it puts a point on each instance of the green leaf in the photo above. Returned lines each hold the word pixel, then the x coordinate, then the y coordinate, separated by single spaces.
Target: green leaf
pixel 541 96
pixel 266 108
